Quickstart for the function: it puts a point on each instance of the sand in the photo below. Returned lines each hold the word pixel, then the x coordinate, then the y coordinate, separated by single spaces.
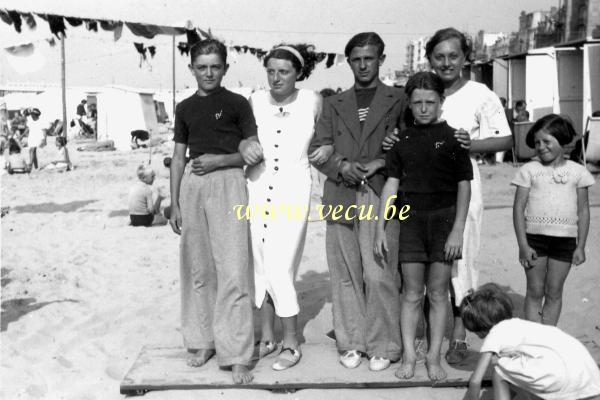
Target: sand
pixel 82 291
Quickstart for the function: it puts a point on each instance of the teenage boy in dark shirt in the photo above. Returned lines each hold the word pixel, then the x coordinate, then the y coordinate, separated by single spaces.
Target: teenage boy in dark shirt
pixel 215 276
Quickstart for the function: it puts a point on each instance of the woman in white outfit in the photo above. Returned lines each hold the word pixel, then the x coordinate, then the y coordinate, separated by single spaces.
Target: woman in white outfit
pixel 279 184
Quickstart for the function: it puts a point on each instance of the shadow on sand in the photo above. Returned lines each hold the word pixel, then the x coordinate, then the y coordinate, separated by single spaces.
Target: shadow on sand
pixel 14 309
pixel 50 208
pixel 314 291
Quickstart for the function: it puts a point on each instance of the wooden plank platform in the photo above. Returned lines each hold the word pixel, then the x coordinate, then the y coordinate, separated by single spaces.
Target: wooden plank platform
pixel 164 368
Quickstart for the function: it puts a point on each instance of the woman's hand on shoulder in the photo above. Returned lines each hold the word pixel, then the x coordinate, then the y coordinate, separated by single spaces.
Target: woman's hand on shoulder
pixel 463 138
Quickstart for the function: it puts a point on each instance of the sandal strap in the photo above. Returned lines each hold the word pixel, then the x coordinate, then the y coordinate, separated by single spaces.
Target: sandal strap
pixel 294 353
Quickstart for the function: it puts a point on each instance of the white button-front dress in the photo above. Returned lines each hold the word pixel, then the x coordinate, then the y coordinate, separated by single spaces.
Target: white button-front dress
pixel 279 196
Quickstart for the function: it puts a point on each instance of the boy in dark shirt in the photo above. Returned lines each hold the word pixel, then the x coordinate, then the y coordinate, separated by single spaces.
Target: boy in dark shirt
pixel 433 173
pixel 215 276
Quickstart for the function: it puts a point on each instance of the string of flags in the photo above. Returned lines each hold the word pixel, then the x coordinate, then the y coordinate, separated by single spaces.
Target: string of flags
pixel 58 25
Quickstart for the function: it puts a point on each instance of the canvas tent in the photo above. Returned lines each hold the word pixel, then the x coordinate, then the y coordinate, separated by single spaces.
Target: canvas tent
pixel 122 110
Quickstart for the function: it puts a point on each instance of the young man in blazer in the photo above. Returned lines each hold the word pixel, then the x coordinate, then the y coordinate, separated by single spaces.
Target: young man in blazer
pixel 365 289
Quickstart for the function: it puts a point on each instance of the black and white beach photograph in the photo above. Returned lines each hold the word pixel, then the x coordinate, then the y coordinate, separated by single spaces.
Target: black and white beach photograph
pixel 225 199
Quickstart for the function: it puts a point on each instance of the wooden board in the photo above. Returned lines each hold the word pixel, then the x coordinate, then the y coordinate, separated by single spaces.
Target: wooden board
pixel 164 368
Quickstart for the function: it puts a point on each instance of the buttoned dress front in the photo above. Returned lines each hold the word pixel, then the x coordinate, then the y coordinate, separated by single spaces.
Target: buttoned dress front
pixel 279 196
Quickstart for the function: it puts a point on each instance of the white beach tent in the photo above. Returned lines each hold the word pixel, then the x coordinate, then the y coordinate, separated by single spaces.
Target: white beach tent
pixel 122 110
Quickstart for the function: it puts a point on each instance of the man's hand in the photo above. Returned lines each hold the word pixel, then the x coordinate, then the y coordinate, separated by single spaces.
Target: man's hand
pixel 463 138
pixel 251 151
pixel 175 220
pixel 206 163
pixel 381 246
pixel 352 172
pixel 390 140
pixel 369 169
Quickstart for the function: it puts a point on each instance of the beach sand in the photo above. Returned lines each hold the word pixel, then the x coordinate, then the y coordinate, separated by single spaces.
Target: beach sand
pixel 82 291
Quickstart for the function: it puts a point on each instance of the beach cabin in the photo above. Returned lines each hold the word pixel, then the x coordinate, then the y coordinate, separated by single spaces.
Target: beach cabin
pixel 122 110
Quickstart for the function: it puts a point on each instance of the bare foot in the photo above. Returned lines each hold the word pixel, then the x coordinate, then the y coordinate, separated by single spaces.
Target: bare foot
pixel 434 369
pixel 241 374
pixel 200 357
pixel 407 368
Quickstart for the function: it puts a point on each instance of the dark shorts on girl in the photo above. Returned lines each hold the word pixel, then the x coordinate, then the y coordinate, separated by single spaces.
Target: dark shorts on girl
pixel 556 247
pixel 142 220
pixel 424 233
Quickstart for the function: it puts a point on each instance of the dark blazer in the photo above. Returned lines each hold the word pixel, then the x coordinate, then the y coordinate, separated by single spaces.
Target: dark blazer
pixel 339 125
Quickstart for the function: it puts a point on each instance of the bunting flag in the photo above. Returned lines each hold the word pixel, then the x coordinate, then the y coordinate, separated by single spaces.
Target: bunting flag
pixel 149 31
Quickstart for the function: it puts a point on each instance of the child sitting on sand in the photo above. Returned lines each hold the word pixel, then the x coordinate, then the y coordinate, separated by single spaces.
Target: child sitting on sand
pixel 63 163
pixel 144 209
pixel 539 359
pixel 16 161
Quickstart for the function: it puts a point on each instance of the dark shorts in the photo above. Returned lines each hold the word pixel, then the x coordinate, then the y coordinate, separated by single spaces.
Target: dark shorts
pixel 424 233
pixel 558 248
pixel 142 220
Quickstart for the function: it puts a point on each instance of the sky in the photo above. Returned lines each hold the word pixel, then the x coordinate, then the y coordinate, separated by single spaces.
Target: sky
pixel 94 59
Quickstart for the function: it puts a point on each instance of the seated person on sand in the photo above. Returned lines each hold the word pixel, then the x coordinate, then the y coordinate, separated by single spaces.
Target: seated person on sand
pixel 62 163
pixel 138 136
pixel 15 162
pixel 144 209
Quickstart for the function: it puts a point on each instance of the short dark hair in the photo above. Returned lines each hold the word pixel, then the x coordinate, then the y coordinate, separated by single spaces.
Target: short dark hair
pixel 305 50
pixel 209 46
pixel 13 146
pixel 520 103
pixel 365 39
pixel 485 308
pixel 425 80
pixel 61 140
pixel 445 34
pixel 559 127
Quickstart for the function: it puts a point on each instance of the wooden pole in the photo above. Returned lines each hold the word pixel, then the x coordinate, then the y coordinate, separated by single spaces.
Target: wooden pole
pixel 173 78
pixel 63 83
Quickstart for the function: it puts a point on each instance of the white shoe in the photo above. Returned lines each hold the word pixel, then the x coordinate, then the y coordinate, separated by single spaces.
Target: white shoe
pixel 350 359
pixel 378 363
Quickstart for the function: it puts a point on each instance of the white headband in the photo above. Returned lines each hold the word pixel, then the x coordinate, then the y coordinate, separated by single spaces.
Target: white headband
pixel 292 50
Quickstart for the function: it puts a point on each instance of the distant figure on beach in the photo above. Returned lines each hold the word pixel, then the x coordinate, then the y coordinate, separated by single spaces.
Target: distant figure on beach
pixel 81 111
pixel 144 203
pixel 215 266
pixel 520 112
pixel 551 217
pixel 36 136
pixel 279 175
pixel 15 162
pixel 365 289
pixel 63 163
pixel 526 356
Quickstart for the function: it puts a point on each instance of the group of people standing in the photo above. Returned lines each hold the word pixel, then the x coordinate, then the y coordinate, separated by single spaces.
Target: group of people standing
pixel 373 142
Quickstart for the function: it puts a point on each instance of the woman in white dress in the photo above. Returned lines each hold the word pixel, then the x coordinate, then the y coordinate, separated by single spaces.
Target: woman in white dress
pixel 279 184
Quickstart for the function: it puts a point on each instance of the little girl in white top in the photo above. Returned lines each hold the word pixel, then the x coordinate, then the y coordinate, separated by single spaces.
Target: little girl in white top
pixel 551 217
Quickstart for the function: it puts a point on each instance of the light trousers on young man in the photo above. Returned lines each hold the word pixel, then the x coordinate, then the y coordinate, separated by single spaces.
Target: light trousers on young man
pixel 216 310
pixel 365 290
